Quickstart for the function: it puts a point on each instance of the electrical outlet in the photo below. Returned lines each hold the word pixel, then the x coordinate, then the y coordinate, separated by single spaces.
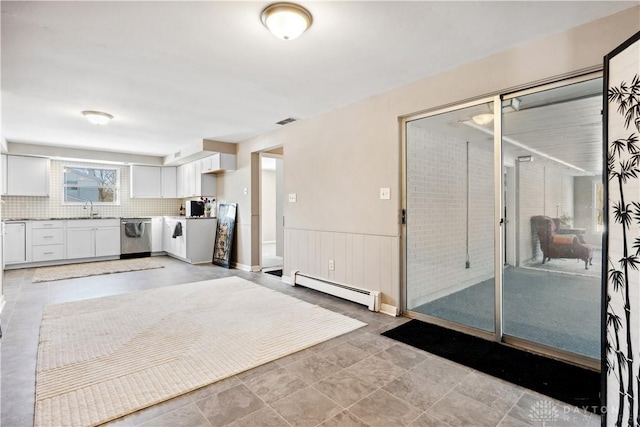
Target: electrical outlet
pixel 331 265
pixel 293 197
pixel 385 193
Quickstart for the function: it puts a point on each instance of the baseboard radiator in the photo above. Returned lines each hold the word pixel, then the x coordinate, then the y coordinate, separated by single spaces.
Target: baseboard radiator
pixel 361 296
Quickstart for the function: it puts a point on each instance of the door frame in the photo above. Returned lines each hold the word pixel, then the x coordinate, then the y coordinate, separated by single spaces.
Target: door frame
pixel 263 155
pixel 256 205
pixel 499 253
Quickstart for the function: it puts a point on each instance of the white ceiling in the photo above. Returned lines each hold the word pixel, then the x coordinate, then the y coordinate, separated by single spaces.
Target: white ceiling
pixel 174 73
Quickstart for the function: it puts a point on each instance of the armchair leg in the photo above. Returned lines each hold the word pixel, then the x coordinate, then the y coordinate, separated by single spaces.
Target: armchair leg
pixel 586 264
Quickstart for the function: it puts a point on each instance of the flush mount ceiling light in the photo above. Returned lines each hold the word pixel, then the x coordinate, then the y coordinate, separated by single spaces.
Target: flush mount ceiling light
pixel 286 20
pixel 97 117
pixel 482 119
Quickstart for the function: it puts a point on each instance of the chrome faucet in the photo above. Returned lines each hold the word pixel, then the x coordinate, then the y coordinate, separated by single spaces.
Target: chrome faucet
pixel 91 213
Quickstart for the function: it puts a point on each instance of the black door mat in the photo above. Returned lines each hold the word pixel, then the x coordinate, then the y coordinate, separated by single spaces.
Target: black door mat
pixel 275 272
pixel 568 383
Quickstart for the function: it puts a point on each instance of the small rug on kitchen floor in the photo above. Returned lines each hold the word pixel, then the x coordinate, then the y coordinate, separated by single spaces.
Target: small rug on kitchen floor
pixel 103 358
pixel 72 271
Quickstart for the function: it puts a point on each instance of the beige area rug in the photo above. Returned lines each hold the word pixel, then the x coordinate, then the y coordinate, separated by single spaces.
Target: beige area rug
pixel 103 358
pixel 71 271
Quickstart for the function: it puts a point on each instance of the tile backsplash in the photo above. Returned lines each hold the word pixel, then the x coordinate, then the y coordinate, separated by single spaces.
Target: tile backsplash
pixel 52 207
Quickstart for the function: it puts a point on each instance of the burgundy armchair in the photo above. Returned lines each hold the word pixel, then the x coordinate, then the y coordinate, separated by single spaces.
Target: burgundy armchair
pixel 555 245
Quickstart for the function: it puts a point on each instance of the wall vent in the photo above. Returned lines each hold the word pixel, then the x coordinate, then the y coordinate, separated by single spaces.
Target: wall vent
pixel 286 121
pixel 177 154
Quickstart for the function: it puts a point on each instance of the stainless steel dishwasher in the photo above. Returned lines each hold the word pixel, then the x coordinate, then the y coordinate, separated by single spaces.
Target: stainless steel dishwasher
pixel 135 237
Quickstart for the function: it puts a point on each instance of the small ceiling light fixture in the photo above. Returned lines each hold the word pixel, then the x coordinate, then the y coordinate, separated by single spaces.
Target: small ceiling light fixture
pixel 97 117
pixel 286 20
pixel 482 119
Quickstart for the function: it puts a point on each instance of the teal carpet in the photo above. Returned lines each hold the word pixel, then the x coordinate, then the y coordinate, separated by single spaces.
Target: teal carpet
pixel 558 310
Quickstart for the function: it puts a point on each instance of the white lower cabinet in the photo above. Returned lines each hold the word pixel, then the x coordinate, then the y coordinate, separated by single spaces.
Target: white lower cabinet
pixel 195 244
pixel 89 238
pixel 108 240
pixel 47 241
pixel 15 243
pixel 157 229
pixel 174 237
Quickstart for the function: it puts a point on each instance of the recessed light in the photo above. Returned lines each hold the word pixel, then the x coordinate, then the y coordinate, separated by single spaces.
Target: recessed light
pixel 483 119
pixel 97 117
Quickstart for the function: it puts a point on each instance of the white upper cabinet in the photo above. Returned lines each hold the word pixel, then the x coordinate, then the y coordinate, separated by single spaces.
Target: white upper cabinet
pixel 218 162
pixel 3 174
pixel 169 182
pixel 193 183
pixel 153 182
pixel 146 181
pixel 27 176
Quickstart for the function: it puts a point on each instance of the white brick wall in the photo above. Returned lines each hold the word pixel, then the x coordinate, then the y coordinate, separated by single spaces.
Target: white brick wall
pixel 436 214
pixel 542 190
pixel 52 207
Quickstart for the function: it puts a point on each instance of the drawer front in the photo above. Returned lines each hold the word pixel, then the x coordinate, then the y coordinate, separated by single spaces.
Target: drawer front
pixel 93 223
pixel 48 252
pixel 46 224
pixel 52 236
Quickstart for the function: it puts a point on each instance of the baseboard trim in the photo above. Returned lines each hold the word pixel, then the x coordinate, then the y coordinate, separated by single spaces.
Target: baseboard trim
pixel 287 279
pixel 387 309
pixel 244 267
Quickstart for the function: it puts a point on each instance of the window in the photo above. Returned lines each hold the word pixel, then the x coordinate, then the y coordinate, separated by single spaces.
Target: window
pixel 99 186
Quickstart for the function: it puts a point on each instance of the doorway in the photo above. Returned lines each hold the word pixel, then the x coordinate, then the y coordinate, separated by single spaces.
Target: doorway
pixel 271 211
pixel 500 237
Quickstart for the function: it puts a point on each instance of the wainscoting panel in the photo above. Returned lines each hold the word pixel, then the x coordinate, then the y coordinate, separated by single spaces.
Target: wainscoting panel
pixel 360 260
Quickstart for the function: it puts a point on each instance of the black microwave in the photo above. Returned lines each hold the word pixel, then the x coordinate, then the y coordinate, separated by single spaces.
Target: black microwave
pixel 197 208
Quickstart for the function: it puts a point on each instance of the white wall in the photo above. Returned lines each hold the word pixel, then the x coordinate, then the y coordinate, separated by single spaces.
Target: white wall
pixel 584 208
pixel 338 161
pixel 542 190
pixel 437 214
pixel 279 207
pixel 3 149
pixel 268 200
pixel 52 207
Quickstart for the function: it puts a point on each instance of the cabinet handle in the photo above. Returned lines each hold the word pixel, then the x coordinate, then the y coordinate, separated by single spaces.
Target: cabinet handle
pixel 47 237
pixel 48 253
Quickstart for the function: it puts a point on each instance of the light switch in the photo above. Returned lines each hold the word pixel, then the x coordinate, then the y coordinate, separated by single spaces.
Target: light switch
pixel 293 198
pixel 385 193
pixel 245 191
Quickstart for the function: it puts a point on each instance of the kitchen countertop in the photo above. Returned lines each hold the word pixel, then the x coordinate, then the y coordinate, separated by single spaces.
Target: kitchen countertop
pixel 189 217
pixel 104 217
pixel 62 219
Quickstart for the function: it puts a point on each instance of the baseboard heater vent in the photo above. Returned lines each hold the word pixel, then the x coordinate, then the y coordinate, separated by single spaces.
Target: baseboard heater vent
pixel 362 296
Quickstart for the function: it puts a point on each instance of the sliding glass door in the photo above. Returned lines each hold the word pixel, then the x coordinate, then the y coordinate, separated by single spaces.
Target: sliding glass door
pixel 552 139
pixel 450 218
pixel 504 218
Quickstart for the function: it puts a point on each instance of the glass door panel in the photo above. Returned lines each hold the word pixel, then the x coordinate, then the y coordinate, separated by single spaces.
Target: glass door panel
pixel 552 198
pixel 450 217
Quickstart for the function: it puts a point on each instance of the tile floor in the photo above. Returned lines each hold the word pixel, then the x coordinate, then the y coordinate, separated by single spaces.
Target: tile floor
pixel 358 379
